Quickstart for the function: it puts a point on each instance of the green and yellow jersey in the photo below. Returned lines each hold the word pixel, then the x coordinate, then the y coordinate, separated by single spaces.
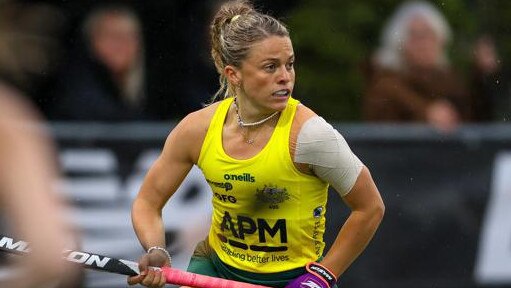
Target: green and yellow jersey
pixel 267 216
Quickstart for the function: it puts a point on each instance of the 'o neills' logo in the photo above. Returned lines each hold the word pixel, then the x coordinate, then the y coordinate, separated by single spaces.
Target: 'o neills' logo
pixel 272 195
pixel 246 177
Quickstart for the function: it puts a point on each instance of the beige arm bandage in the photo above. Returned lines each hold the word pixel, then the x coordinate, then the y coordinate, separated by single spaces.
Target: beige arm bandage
pixel 326 151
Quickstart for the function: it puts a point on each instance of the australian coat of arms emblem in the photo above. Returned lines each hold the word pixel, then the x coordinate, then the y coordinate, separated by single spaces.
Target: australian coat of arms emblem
pixel 272 195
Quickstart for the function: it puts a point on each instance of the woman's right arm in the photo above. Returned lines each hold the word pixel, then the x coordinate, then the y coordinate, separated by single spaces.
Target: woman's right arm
pixel 162 180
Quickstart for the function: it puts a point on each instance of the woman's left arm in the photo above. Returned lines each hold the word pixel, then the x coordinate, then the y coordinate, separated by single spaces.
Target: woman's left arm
pixel 321 150
pixel 366 214
pixel 367 211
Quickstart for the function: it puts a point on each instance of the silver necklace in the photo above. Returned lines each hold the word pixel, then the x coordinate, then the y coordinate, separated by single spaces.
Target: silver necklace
pixel 257 123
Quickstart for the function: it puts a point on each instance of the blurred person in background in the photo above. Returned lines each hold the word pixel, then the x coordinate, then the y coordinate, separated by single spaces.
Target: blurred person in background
pixel 31 49
pixel 30 209
pixel 411 79
pixel 105 79
pixel 490 83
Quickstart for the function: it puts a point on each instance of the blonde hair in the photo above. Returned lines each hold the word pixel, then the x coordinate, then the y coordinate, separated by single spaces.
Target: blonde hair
pixel 234 29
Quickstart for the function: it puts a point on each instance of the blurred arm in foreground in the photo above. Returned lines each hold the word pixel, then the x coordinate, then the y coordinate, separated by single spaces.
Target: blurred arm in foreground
pixel 28 176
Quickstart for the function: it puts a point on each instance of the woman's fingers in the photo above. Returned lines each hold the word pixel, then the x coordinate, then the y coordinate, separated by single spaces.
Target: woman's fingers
pixel 159 279
pixel 148 277
pixel 154 278
pixel 135 279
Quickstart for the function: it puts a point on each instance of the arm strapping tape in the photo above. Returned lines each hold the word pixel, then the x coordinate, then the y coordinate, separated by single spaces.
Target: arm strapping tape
pixel 328 153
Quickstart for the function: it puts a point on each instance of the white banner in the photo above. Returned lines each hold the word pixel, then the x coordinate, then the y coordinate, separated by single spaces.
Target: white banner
pixel 102 200
pixel 493 264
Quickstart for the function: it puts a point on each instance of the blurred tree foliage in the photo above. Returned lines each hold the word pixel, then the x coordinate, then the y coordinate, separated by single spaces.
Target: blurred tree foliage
pixel 333 39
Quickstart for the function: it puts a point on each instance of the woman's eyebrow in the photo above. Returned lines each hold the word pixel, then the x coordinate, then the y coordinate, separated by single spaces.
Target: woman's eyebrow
pixel 276 58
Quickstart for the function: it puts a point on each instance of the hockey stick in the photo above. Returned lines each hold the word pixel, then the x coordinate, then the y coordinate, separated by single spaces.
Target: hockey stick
pixel 129 268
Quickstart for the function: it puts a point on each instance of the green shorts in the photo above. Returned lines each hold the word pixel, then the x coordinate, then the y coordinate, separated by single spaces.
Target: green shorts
pixel 205 262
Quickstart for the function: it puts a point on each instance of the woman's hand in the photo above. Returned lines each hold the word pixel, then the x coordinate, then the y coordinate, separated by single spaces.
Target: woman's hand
pixel 443 116
pixel 316 275
pixel 149 276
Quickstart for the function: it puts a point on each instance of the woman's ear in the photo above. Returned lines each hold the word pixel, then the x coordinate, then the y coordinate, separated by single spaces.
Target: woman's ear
pixel 233 75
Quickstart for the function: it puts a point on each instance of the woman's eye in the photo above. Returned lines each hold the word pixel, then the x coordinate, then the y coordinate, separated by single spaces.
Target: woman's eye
pixel 270 67
pixel 290 65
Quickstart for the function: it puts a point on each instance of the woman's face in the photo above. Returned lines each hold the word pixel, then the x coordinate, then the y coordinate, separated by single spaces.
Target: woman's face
pixel 115 42
pixel 423 47
pixel 267 75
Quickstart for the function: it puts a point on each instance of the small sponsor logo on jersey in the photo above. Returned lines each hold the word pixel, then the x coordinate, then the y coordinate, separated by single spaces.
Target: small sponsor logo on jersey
pixel 225 198
pixel 272 195
pixel 227 186
pixel 245 177
pixel 317 212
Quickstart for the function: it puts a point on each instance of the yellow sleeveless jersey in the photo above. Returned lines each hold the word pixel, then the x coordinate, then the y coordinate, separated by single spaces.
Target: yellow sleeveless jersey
pixel 267 215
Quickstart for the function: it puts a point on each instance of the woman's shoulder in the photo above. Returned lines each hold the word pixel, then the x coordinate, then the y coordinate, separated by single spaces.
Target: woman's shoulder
pixel 303 113
pixel 205 113
pixel 197 123
pixel 188 135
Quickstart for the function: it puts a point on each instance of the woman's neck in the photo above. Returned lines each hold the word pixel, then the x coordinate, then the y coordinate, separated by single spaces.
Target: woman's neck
pixel 254 119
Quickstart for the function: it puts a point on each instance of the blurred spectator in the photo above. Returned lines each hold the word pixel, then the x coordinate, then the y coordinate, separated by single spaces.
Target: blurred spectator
pixel 30 47
pixel 106 81
pixel 491 89
pixel 410 79
pixel 29 206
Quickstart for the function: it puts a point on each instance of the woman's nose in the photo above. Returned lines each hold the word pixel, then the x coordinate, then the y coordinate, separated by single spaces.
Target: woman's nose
pixel 284 75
